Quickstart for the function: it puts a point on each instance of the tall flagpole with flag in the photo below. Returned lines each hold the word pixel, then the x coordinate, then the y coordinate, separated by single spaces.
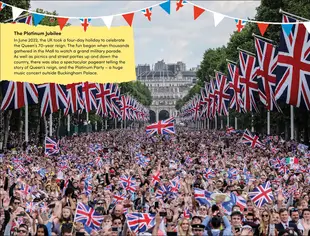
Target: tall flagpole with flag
pixel 26 123
pixel 51 125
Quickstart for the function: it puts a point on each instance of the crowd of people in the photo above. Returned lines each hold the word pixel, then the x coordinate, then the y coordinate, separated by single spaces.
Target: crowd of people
pixel 123 182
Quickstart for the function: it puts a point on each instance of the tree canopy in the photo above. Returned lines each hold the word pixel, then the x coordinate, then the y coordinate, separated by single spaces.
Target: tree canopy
pixel 215 59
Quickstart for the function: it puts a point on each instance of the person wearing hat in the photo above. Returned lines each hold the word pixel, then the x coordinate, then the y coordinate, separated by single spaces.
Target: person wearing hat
pixel 198 229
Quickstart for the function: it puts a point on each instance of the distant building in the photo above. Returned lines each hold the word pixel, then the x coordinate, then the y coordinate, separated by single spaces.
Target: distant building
pixel 181 66
pixel 142 68
pixel 160 65
pixel 167 86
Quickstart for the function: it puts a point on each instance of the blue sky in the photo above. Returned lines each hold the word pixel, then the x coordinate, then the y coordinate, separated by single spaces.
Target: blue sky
pixel 174 37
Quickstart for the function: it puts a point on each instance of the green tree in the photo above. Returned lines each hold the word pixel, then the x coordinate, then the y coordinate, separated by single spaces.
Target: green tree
pixel 215 59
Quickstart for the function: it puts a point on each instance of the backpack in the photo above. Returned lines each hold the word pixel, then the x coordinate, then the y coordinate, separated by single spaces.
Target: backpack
pixel 210 232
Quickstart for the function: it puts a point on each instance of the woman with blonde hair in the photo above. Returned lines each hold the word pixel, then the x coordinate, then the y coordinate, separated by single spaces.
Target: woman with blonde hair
pixel 266 227
pixel 184 228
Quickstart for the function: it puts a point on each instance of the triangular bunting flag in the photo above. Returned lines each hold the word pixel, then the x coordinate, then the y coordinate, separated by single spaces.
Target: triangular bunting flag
pixel 16 12
pixel 197 12
pixel 107 20
pixel 62 22
pixel 217 18
pixel 240 24
pixel 37 18
pixel 166 6
pixel 287 28
pixel 307 25
pixel 85 23
pixel 129 18
pixel 147 13
pixel 2 5
pixel 262 27
pixel 180 4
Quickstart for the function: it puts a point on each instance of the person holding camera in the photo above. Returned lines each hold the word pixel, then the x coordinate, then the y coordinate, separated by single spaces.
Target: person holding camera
pixel 215 218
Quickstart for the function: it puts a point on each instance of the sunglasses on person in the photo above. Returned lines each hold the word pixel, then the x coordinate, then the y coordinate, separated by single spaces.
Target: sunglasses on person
pixel 265 215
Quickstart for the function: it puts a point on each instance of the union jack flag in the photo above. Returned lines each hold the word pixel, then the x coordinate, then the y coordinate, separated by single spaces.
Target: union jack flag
pixel 31 207
pixel 187 214
pixel 115 97
pixel 128 183
pixel 232 173
pixel 209 173
pixel 230 130
pixel 51 147
pixel 283 169
pixel 25 189
pixel 222 94
pixel 125 107
pixel 103 99
pixel 234 84
pixel 18 94
pixel 155 178
pixel 85 23
pixel 277 162
pixel 88 216
pixel 118 198
pixel 174 186
pixel 140 222
pixel 75 100
pixel 142 160
pixel 196 102
pixel 203 197
pixel 205 100
pixel 267 63
pixel 212 100
pixel 293 70
pixel 248 83
pixel 147 13
pixel 89 91
pixel 162 191
pixel 26 20
pixel 262 194
pixel 53 97
pixel 161 127
pixel 249 139
pixel 240 24
pixel 99 162
pixel 180 4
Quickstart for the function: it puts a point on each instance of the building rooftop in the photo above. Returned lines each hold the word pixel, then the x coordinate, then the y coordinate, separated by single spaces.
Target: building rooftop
pixel 151 74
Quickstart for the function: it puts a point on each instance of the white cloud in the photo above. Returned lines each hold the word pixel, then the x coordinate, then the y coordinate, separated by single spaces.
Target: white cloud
pixel 172 37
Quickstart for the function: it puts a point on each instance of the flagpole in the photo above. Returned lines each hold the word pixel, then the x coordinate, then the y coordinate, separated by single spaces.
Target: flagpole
pixel 87 117
pixel 26 123
pixel 205 124
pixel 222 123
pixel 292 122
pixel 252 123
pixel 268 122
pixel 106 124
pixel 115 123
pixel 215 122
pixel 227 119
pixel 68 124
pixel 242 50
pixel 236 123
pixel 51 125
pixel 208 124
pixel 292 15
